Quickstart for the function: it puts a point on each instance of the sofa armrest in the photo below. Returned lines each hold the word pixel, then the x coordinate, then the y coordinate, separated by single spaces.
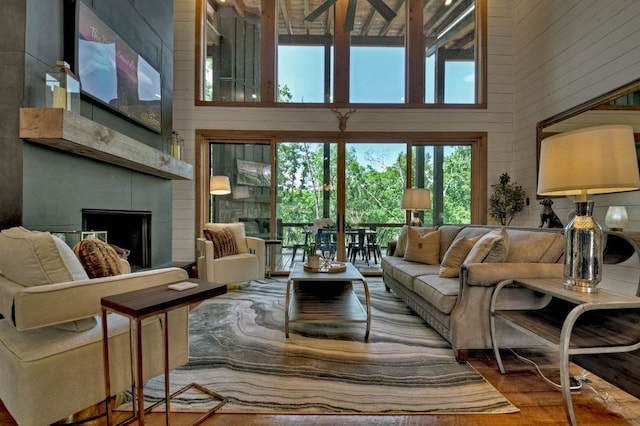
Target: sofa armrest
pixel 41 306
pixel 489 274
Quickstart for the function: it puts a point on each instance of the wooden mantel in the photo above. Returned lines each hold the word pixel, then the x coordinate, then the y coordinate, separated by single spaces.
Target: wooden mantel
pixel 62 129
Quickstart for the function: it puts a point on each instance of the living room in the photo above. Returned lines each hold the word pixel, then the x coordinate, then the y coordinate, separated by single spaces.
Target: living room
pixel 543 58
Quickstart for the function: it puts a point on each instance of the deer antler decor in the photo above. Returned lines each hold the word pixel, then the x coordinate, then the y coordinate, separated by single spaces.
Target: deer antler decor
pixel 343 117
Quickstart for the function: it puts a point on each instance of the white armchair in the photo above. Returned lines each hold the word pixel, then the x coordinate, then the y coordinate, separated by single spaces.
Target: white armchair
pixel 246 265
pixel 50 339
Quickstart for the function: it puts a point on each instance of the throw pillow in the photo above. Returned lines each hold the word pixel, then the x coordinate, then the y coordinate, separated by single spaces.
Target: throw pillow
pixel 98 258
pixel 491 247
pixel 455 256
pixel 423 248
pixel 401 245
pixel 224 242
pixel 238 231
pixel 32 258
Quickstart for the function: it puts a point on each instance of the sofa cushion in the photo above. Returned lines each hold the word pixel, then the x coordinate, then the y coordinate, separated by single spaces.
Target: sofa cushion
pixel 527 246
pixel 401 245
pixel 492 247
pixel 238 231
pixel 423 248
pixel 405 271
pixel 455 256
pixel 224 243
pixel 440 292
pixel 98 258
pixel 33 258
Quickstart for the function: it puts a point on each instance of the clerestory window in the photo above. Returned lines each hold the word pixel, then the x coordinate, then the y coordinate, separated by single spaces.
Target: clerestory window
pixel 413 53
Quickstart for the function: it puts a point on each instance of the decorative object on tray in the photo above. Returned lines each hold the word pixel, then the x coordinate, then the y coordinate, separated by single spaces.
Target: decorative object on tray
pixel 331 268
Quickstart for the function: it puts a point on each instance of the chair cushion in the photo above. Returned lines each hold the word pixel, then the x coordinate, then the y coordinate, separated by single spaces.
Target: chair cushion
pixel 238 232
pixel 455 256
pixel 32 258
pixel 224 243
pixel 423 248
pixel 98 258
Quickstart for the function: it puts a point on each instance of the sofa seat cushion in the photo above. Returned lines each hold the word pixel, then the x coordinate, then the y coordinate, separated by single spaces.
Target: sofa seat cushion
pixel 237 268
pixel 33 258
pixel 440 292
pixel 404 271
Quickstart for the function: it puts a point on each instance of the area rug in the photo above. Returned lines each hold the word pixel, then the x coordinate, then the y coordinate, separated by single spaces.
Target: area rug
pixel 238 349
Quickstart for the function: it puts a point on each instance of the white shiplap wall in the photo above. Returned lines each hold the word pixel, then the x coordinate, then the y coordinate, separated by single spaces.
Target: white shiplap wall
pixel 567 52
pixel 497 120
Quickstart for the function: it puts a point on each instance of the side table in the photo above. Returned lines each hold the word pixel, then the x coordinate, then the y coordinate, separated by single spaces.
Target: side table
pixel 573 322
pixel 138 305
pixel 270 258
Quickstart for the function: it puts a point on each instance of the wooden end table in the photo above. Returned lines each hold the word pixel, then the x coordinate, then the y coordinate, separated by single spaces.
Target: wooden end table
pixel 138 305
pixel 573 322
pixel 325 297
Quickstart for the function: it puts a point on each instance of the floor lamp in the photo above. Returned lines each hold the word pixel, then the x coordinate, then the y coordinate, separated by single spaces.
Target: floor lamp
pixel 219 185
pixel 594 160
pixel 416 199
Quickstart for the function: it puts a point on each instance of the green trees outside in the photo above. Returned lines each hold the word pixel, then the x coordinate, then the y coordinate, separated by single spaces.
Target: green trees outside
pixel 373 190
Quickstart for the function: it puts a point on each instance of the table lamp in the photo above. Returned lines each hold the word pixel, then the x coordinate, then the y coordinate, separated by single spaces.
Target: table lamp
pixel 416 199
pixel 593 160
pixel 219 185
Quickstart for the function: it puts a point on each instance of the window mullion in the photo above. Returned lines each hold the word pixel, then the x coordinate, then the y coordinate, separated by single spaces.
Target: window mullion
pixel 341 61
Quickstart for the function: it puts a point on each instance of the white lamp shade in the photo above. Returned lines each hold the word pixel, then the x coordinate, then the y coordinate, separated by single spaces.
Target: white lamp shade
pixel 616 217
pixel 594 160
pixel 219 185
pixel 416 199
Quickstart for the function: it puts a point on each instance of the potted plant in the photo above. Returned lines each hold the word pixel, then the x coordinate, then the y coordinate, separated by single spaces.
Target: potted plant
pixel 507 200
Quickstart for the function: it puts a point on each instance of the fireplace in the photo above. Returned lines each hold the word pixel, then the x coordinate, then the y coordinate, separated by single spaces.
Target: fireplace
pixel 127 229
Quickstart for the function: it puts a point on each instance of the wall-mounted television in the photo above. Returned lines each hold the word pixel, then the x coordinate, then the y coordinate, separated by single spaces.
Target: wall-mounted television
pixel 114 74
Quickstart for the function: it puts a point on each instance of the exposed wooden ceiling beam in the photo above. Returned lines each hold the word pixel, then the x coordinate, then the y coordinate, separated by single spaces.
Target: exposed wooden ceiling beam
pixel 285 16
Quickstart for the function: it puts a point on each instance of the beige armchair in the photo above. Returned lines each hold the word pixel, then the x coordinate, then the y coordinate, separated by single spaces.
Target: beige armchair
pixel 248 263
pixel 51 355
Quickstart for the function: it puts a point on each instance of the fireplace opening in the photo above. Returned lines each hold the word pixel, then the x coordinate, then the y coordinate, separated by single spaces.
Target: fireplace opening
pixel 127 229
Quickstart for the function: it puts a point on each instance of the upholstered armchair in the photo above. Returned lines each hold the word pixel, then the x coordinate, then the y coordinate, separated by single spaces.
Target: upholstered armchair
pixel 51 355
pixel 226 255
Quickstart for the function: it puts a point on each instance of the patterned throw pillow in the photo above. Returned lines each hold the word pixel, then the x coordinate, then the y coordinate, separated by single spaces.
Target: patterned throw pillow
pixel 98 258
pixel 423 248
pixel 492 247
pixel 224 241
pixel 455 256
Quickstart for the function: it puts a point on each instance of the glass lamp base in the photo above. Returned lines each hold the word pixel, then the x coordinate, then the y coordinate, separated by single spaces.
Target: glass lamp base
pixel 583 287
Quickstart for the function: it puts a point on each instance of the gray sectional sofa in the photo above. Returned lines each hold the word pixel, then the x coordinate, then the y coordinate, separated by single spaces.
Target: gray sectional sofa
pixel 454 299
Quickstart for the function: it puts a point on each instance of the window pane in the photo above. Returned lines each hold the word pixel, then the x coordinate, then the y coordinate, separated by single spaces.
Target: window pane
pixel 450 52
pixel 305 53
pixel 231 53
pixel 446 171
pixel 377 56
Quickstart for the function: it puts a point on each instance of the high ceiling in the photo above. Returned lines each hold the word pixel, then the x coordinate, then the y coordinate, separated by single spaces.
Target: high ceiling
pixel 368 22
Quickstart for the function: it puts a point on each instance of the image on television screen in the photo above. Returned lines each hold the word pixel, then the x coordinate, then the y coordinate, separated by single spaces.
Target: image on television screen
pixel 113 73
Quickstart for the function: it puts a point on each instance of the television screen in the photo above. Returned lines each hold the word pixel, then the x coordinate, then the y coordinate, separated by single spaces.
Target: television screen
pixel 111 72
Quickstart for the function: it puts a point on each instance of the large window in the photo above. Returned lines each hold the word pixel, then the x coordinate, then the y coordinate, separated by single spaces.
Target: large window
pixel 284 182
pixel 342 52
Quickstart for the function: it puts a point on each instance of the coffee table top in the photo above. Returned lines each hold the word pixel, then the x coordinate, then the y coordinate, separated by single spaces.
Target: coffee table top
pixel 299 274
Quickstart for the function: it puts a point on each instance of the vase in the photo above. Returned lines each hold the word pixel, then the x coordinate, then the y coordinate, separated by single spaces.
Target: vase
pixel 313 261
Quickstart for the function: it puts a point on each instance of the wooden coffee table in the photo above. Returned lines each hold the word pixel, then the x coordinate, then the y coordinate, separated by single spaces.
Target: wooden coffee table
pixel 325 297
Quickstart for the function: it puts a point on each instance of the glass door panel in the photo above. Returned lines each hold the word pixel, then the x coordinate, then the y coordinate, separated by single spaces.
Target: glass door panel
pixel 305 193
pixel 446 171
pixel 375 179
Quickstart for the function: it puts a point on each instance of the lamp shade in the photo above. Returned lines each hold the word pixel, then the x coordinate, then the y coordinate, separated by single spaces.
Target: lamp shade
pixel 416 199
pixel 593 160
pixel 219 185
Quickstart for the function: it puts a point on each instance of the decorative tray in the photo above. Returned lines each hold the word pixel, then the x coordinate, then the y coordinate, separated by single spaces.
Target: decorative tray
pixel 335 267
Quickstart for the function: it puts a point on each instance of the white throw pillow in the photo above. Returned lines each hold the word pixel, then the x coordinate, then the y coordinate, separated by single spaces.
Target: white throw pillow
pixel 32 258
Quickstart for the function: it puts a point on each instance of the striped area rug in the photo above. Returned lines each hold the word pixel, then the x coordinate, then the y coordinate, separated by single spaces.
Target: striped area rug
pixel 238 349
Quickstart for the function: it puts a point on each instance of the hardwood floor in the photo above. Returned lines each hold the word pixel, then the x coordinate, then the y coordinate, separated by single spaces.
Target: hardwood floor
pixel 597 403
